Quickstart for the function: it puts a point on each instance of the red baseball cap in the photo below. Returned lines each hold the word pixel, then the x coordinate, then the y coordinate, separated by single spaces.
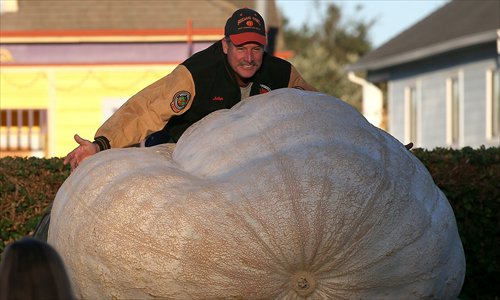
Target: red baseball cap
pixel 244 26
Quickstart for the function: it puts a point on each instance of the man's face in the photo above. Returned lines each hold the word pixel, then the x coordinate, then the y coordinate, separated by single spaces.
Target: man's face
pixel 244 59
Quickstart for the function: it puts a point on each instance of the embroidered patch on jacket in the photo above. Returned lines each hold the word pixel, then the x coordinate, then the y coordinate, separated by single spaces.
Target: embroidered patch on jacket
pixel 264 89
pixel 180 101
pixel 218 98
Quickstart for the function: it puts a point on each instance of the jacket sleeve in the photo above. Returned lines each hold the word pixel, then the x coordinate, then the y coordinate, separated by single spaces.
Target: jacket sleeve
pixel 296 81
pixel 148 111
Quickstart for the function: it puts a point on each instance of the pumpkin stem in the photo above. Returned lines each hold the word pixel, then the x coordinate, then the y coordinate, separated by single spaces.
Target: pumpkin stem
pixel 303 283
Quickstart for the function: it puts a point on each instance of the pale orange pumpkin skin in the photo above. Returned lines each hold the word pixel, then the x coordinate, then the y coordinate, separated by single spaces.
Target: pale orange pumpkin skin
pixel 290 194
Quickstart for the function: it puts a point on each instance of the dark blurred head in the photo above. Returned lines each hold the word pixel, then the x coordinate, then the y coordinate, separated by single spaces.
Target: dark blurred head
pixel 32 269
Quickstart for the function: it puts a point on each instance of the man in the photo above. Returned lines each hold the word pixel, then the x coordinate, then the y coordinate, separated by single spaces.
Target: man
pixel 218 77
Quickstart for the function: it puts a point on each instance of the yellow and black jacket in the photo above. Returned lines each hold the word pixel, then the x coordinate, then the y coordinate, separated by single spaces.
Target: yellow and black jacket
pixel 200 85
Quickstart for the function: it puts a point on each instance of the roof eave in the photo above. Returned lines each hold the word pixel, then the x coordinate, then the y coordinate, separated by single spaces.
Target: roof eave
pixel 110 36
pixel 421 53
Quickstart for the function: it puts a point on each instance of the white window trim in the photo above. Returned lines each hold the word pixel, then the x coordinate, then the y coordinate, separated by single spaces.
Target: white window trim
pixel 449 112
pixel 449 120
pixel 408 117
pixel 408 114
pixel 489 103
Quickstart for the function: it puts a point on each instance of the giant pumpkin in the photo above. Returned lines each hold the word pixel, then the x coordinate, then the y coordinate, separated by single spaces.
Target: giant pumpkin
pixel 289 194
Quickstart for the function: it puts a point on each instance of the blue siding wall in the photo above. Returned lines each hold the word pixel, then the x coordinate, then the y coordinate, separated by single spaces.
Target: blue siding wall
pixel 475 104
pixel 395 93
pixel 431 87
pixel 433 119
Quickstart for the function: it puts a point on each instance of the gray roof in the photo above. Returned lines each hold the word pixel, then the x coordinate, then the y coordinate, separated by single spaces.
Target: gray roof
pixel 458 24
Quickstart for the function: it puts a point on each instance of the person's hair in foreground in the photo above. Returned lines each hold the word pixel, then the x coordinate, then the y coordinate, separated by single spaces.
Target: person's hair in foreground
pixel 32 269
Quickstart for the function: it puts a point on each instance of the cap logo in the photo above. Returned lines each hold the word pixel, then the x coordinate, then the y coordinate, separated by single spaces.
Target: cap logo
pixel 249 21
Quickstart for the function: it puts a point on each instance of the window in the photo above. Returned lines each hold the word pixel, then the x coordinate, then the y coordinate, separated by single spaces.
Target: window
pixel 411 114
pixel 453 111
pixel 8 6
pixel 493 104
pixel 23 132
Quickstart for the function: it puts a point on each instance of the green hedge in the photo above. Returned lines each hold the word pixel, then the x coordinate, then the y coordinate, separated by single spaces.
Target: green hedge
pixel 27 188
pixel 470 178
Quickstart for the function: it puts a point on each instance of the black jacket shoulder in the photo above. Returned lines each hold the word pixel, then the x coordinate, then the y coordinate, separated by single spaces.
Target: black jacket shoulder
pixel 206 59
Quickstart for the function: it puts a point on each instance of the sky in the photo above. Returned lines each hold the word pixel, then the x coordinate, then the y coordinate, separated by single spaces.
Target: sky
pixel 392 16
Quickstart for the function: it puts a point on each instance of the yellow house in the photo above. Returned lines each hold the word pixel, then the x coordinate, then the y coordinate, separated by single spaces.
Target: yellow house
pixel 66 66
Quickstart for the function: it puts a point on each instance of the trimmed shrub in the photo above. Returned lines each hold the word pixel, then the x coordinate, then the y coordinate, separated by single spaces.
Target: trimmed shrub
pixel 27 188
pixel 470 179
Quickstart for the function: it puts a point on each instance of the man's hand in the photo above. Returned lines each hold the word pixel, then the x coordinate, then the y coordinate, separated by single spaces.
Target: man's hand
pixel 85 149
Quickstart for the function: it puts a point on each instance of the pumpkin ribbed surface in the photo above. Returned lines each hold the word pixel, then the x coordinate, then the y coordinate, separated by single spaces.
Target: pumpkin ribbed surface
pixel 289 194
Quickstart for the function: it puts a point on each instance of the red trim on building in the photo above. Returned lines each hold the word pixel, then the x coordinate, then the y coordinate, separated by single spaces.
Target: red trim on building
pixel 165 63
pixel 111 32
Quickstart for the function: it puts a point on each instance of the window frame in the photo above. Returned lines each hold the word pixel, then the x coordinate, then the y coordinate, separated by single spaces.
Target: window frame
pixel 412 113
pixel 24 132
pixel 454 110
pixel 492 104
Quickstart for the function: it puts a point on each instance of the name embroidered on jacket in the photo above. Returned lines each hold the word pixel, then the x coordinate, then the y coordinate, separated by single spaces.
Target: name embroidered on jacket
pixel 218 98
pixel 180 101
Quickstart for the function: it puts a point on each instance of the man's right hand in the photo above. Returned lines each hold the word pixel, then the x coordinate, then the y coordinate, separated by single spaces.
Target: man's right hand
pixel 85 149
